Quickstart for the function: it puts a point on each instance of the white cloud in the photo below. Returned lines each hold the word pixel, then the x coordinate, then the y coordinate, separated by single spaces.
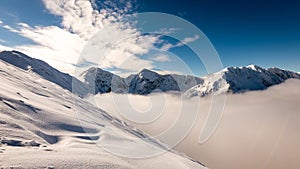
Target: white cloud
pixel 189 39
pixel 80 17
pixel 183 42
pixel 9 28
pixel 61 47
pixel 25 25
pixel 161 58
pixel 3 48
pixel 167 31
pixel 2 41
pixel 167 72
pixel 119 48
pixel 54 45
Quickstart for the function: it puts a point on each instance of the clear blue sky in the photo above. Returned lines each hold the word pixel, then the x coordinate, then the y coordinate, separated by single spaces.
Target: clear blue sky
pixel 266 33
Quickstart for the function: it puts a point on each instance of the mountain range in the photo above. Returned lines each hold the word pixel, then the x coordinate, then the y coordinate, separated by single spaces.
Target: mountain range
pixel 144 82
pixel 241 79
pixel 96 80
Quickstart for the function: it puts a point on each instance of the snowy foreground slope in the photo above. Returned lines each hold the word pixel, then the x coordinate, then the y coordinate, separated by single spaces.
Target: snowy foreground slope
pixel 43 69
pixel 39 128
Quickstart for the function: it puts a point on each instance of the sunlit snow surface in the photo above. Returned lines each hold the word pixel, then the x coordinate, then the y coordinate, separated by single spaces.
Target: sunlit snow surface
pixel 39 128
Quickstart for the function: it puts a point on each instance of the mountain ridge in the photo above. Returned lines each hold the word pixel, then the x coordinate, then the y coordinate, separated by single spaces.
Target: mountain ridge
pixel 241 79
pixel 143 83
pixel 98 81
pixel 43 69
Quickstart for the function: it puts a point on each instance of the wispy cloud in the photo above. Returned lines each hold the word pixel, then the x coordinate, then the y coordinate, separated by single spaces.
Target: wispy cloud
pixel 9 28
pixel 55 45
pixel 161 58
pixel 2 41
pixel 185 41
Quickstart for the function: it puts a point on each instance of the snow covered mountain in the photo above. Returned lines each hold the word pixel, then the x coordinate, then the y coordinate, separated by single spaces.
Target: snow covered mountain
pixel 43 69
pixel 144 82
pixel 231 79
pixel 42 125
pixel 101 81
pixel 241 79
pixel 148 81
pixel 96 80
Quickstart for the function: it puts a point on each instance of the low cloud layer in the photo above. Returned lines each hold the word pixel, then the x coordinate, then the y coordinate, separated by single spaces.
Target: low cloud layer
pixel 259 129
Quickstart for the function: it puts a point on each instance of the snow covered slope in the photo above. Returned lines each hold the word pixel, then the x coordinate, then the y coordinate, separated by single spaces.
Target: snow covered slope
pixel 39 128
pixel 43 69
pixel 241 79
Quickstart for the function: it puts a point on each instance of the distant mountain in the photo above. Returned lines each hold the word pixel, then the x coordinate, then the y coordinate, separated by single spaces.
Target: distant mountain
pixel 101 81
pixel 96 80
pixel 144 82
pixel 241 79
pixel 148 81
pixel 43 69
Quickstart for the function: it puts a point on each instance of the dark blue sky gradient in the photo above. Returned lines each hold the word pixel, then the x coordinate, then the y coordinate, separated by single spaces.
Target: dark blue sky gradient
pixel 244 32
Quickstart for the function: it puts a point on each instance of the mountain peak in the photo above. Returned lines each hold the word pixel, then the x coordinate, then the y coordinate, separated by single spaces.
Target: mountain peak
pixel 249 67
pixel 147 71
pixel 148 74
pixel 255 67
pixel 241 79
pixel 97 70
pixel 102 81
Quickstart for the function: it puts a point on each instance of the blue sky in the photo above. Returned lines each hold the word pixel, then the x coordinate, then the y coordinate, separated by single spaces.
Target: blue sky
pixel 31 12
pixel 266 33
pixel 244 32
